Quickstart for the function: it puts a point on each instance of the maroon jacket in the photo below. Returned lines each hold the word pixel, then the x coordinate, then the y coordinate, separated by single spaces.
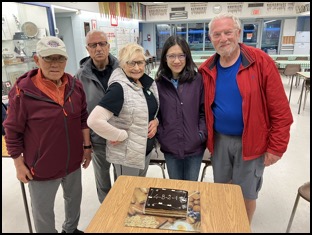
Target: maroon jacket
pixel 266 113
pixel 48 135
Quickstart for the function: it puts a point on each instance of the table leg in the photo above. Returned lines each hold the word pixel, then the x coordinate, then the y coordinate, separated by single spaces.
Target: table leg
pixel 300 98
pixel 26 207
pixel 291 84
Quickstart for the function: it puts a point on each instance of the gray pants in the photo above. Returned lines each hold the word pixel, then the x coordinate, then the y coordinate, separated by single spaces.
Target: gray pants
pixel 42 195
pixel 124 170
pixel 228 166
pixel 101 171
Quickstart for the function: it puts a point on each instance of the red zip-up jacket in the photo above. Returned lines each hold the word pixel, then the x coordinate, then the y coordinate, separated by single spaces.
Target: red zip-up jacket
pixel 266 113
pixel 47 134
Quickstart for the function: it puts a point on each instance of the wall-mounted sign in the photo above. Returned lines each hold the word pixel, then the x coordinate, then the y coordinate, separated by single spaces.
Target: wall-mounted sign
pixel 114 20
pixel 178 15
pixel 93 24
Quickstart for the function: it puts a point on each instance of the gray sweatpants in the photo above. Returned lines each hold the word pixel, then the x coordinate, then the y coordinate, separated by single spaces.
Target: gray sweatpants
pixel 42 195
pixel 101 169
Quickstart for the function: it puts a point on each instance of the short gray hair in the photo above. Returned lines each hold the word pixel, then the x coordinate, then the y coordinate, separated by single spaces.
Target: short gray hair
pixel 95 31
pixel 236 20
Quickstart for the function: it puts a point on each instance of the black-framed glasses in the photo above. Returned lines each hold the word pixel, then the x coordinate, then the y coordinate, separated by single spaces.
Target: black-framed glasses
pixel 94 45
pixel 50 59
pixel 133 63
pixel 173 57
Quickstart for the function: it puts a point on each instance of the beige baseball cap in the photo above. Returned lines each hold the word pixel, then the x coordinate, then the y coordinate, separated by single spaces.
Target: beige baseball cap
pixel 51 46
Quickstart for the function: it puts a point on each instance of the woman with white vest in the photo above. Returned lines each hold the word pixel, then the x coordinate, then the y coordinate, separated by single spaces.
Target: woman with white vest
pixel 126 115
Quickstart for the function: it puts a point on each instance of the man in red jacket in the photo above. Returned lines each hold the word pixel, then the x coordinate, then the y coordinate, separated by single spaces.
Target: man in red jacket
pixel 48 137
pixel 247 111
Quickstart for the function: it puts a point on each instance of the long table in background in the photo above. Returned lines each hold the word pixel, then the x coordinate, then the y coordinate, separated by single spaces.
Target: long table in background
pixel 222 206
pixel 290 56
pixel 305 64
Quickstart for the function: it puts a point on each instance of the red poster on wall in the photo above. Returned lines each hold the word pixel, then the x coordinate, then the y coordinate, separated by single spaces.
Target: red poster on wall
pixel 93 24
pixel 114 20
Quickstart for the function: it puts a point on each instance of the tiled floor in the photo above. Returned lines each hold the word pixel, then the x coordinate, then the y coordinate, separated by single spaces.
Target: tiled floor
pixel 274 205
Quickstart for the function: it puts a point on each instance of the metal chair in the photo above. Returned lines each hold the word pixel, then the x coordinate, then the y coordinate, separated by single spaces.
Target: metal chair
pixel 304 192
pixel 206 160
pixel 307 90
pixel 151 62
pixel 291 71
pixel 154 61
pixel 303 58
pixel 147 67
pixel 158 159
pixel 281 70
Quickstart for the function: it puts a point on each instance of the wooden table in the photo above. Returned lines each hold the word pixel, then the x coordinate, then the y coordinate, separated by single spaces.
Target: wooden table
pixel 306 76
pixel 5 154
pixel 222 210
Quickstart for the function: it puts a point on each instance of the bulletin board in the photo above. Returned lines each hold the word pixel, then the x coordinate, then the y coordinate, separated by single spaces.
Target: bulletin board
pixel 112 39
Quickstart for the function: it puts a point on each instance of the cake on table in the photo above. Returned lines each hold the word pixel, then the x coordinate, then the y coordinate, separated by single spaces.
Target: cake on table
pixel 166 202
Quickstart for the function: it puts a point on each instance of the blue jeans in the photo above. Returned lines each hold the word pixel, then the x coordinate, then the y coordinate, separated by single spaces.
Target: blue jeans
pixel 184 169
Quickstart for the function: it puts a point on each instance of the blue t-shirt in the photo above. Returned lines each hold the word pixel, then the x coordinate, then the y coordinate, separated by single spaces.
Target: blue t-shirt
pixel 227 106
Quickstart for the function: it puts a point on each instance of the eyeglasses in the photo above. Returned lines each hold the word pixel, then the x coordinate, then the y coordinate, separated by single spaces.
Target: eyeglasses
pixel 132 64
pixel 50 59
pixel 94 45
pixel 227 33
pixel 181 57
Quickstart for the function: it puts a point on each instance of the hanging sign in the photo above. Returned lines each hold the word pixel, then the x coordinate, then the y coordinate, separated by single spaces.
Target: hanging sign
pixel 114 20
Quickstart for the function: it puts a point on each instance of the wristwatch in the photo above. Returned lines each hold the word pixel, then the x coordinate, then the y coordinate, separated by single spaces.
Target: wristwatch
pixel 87 146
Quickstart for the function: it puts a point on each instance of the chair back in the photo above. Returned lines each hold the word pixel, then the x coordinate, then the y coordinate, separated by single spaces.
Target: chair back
pixel 292 69
pixel 307 85
pixel 302 58
pixel 304 191
pixel 205 57
pixel 281 58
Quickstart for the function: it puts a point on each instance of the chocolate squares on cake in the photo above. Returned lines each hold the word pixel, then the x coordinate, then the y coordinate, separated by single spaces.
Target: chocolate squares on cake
pixel 166 202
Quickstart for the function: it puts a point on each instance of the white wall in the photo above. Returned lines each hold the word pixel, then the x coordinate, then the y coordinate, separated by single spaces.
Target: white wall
pixel 74 35
pixel 289 28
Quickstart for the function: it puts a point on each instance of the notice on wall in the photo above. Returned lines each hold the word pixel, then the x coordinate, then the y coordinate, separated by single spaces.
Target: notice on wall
pixel 111 37
pixel 199 8
pixel 249 35
pixel 157 11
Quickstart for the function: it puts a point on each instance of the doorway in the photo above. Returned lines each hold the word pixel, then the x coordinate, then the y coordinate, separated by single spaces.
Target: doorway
pixel 164 31
pixel 251 34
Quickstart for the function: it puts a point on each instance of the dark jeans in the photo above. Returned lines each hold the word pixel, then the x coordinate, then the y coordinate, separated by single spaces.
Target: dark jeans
pixel 184 169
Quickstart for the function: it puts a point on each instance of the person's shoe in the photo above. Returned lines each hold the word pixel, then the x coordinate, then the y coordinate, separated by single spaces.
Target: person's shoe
pixel 75 231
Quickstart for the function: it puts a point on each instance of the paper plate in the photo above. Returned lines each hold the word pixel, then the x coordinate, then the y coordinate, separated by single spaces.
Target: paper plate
pixel 182 226
pixel 30 29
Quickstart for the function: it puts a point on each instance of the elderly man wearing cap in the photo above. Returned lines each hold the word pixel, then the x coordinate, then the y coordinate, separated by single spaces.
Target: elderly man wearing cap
pixel 47 135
